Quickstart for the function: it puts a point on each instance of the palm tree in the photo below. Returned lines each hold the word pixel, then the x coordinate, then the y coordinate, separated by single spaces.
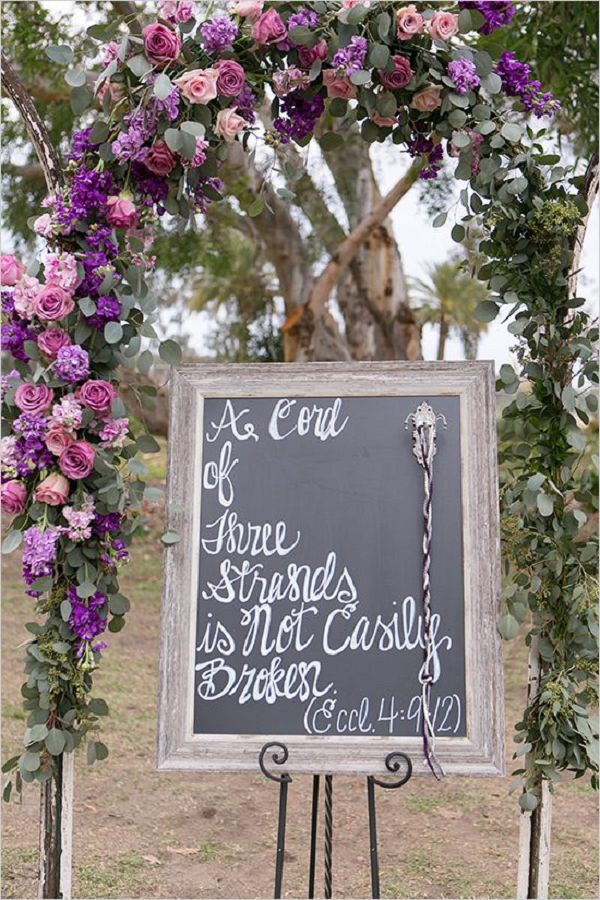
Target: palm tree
pixel 448 298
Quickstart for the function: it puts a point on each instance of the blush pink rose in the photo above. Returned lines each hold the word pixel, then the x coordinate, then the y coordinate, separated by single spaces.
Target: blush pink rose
pixel 308 55
pixel 401 75
pixel 53 490
pixel 198 85
pixel 77 461
pixel 161 45
pixel 96 395
pixel 53 303
pixel 442 26
pixel 245 8
pixel 160 159
pixel 231 77
pixel 184 11
pixel 428 99
pixel 52 340
pixel 383 121
pixel 121 212
pixel 13 496
pixel 33 398
pixel 338 85
pixel 229 124
pixel 409 23
pixel 269 28
pixel 10 269
pixel 57 439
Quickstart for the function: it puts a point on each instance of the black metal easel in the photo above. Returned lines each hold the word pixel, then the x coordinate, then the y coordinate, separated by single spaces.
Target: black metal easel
pixel 394 763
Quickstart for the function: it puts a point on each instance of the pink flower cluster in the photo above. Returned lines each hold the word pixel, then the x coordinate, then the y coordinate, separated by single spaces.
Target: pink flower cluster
pixel 410 24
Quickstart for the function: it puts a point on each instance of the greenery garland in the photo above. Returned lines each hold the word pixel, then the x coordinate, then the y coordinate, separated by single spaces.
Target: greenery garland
pixel 159 118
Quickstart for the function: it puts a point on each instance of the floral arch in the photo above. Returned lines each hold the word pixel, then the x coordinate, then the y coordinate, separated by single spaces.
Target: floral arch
pixel 168 101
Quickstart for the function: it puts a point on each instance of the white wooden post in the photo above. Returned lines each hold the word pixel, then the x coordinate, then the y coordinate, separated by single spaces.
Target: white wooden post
pixel 535 827
pixel 56 832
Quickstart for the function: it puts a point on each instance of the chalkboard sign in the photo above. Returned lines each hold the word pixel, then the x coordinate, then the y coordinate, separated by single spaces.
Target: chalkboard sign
pixel 294 605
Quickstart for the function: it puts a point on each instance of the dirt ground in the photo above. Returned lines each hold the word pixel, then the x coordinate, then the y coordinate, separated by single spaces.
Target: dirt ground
pixel 139 833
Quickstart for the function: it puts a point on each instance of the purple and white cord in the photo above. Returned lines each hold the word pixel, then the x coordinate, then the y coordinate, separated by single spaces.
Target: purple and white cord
pixel 424 448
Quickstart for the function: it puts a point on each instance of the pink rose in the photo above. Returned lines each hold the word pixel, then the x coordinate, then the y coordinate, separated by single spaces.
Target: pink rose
pixel 229 124
pixel 33 398
pixel 308 55
pixel 231 77
pixel 383 121
pixel 427 99
pixel 57 439
pixel 10 269
pixel 269 28
pixel 199 85
pixel 160 159
pixel 184 11
pixel 161 45
pixel 338 85
pixel 77 461
pixel 96 395
pixel 409 23
pixel 442 26
pixel 52 340
pixel 167 9
pixel 13 496
pixel 53 303
pixel 245 8
pixel 401 75
pixel 53 490
pixel 121 212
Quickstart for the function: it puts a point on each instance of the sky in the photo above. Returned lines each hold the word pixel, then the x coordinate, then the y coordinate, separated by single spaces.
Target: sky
pixel 419 243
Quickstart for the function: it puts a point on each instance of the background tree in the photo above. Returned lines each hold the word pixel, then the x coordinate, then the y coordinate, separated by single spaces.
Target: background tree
pixel 447 298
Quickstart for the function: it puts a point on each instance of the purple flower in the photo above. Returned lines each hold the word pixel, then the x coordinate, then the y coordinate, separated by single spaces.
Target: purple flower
pixel 202 199
pixel 168 107
pixel 108 309
pixel 305 18
pixel 517 83
pixel 81 144
pixel 72 364
pixel 39 554
pixel 245 102
pixel 464 75
pixel 301 114
pixel 13 334
pixel 32 450
pixel 496 14
pixel 93 263
pixel 156 189
pixel 107 524
pixel 86 620
pixel 351 58
pixel 218 34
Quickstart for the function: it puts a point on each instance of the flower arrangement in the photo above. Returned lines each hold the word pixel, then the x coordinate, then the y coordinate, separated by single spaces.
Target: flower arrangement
pixel 165 105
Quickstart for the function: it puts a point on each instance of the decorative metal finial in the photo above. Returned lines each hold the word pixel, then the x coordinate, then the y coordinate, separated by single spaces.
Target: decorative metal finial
pixel 423 420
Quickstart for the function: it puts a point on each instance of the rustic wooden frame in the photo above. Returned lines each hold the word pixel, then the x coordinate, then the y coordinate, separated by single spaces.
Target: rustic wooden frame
pixel 481 752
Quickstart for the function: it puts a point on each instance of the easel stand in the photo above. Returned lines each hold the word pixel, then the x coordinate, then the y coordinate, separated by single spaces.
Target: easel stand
pixel 395 763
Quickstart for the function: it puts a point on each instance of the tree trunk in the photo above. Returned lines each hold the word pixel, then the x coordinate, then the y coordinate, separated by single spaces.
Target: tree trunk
pixel 441 352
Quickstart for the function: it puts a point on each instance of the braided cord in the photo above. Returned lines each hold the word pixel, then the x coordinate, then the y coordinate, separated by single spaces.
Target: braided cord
pixel 427 448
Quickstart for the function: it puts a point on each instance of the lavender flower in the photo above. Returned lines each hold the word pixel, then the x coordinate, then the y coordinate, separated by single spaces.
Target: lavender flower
pixel 495 13
pixel 464 75
pixel 168 107
pixel 72 364
pixel 80 520
pixel 517 83
pixel 218 34
pixel 301 114
pixel 95 267
pixel 81 144
pixel 245 102
pixel 305 18
pixel 33 453
pixel 13 335
pixel 351 58
pixel 39 554
pixel 114 553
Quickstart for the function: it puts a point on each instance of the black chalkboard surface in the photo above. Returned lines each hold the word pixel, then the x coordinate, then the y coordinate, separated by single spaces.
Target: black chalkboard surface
pixel 309 603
